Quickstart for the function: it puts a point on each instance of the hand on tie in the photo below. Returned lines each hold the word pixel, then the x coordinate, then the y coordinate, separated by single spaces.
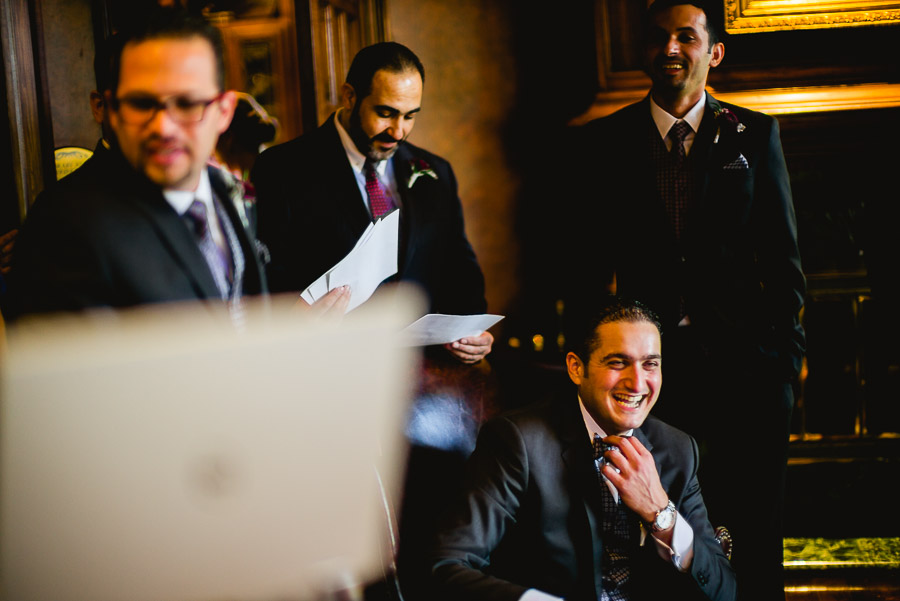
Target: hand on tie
pixel 637 479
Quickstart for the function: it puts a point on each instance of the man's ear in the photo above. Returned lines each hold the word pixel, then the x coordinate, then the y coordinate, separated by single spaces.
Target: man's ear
pixel 348 96
pixel 718 53
pixel 98 106
pixel 227 104
pixel 575 367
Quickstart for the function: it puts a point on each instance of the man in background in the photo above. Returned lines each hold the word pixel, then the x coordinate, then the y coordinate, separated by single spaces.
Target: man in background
pixel 692 214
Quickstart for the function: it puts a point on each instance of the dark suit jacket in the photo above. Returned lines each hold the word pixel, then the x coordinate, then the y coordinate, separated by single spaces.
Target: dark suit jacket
pixel 311 213
pixel 530 515
pixel 105 236
pixel 738 265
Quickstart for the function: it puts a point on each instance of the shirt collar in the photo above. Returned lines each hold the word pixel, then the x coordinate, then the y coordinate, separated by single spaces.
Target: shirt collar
pixel 592 426
pixel 664 121
pixel 356 158
pixel 180 200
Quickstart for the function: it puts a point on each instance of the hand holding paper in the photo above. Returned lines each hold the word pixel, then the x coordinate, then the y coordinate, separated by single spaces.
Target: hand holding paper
pixel 370 262
pixel 471 349
pixel 436 328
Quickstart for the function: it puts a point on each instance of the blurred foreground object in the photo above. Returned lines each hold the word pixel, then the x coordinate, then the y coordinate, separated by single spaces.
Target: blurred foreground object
pixel 162 454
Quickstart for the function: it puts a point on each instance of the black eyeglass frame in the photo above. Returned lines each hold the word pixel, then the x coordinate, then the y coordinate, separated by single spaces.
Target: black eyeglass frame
pixel 170 105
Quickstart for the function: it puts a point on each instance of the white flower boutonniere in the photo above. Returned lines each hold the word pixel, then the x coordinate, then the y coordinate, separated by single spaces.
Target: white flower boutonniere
pixel 729 121
pixel 418 168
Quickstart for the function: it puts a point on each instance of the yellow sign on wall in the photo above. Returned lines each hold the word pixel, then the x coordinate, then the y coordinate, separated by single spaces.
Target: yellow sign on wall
pixel 70 158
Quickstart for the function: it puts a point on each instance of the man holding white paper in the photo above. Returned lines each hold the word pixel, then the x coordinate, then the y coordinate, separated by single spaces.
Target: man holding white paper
pixel 318 194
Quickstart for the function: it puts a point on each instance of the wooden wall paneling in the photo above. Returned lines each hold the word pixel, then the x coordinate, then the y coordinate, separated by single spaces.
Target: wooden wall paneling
pixel 24 102
pixel 337 31
pixel 336 39
pixel 781 72
pixel 262 61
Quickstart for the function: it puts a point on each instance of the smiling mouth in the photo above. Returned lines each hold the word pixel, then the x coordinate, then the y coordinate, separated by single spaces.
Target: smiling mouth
pixel 629 401
pixel 672 67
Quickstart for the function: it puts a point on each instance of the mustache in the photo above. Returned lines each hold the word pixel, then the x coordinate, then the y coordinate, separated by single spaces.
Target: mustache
pixel 383 137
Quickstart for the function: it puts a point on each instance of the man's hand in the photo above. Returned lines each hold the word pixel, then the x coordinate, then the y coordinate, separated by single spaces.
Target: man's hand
pixel 332 305
pixel 471 349
pixel 637 481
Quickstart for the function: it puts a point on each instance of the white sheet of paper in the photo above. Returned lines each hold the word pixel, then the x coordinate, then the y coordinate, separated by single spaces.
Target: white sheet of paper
pixel 437 328
pixel 372 260
pixel 317 289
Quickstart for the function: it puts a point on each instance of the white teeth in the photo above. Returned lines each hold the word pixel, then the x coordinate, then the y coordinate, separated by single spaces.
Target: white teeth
pixel 629 400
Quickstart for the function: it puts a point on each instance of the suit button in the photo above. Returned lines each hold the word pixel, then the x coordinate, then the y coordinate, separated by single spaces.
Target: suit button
pixel 702 579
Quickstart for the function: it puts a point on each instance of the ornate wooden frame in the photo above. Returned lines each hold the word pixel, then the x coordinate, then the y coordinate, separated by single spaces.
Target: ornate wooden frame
pixel 750 16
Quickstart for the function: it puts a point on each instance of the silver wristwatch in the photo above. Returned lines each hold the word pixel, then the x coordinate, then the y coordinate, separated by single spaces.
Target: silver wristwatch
pixel 665 518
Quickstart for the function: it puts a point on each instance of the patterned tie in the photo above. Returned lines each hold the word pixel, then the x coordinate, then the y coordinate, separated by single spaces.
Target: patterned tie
pixel 678 194
pixel 616 535
pixel 677 134
pixel 217 258
pixel 380 201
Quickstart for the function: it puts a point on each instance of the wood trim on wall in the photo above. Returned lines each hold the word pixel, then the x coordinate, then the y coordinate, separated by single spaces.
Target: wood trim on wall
pixel 774 101
pixel 23 99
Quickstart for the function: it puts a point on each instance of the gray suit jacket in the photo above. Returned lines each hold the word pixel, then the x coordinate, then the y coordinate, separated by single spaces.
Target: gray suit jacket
pixel 530 515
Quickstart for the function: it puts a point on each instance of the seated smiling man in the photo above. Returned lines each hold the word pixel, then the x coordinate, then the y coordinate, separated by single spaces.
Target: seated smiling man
pixel 544 516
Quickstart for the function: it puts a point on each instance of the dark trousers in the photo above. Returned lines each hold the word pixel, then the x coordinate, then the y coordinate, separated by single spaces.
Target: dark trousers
pixel 739 410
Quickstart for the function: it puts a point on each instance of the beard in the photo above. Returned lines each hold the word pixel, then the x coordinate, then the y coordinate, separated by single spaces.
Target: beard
pixel 364 143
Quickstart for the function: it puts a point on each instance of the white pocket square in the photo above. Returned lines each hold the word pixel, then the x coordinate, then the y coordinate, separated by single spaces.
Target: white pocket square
pixel 738 164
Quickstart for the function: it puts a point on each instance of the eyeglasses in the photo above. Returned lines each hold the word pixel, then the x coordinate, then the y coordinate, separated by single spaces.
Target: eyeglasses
pixel 140 110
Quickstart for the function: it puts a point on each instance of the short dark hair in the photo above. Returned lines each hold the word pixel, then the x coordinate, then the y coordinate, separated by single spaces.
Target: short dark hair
pixel 167 23
pixel 104 59
pixel 584 338
pixel 712 28
pixel 389 56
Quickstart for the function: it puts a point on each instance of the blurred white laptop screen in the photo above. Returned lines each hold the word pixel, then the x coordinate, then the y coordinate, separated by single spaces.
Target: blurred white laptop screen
pixel 157 455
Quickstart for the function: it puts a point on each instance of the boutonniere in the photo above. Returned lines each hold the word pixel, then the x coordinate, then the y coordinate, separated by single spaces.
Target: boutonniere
pixel 418 168
pixel 728 120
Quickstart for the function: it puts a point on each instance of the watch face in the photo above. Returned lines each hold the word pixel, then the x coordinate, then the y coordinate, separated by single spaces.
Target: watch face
pixel 666 518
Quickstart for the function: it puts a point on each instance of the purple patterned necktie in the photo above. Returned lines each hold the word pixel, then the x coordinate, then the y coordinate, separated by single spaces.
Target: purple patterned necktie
pixel 380 201
pixel 217 259
pixel 616 535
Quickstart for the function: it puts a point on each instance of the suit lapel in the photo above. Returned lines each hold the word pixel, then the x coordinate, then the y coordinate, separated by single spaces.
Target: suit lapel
pixel 252 277
pixel 705 149
pixel 409 205
pixel 342 190
pixel 584 487
pixel 174 236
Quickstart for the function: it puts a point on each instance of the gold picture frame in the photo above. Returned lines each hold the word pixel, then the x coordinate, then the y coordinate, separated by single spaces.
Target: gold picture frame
pixel 751 16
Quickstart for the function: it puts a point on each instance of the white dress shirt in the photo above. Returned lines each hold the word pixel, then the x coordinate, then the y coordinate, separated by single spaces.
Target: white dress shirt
pixel 664 122
pixel 181 200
